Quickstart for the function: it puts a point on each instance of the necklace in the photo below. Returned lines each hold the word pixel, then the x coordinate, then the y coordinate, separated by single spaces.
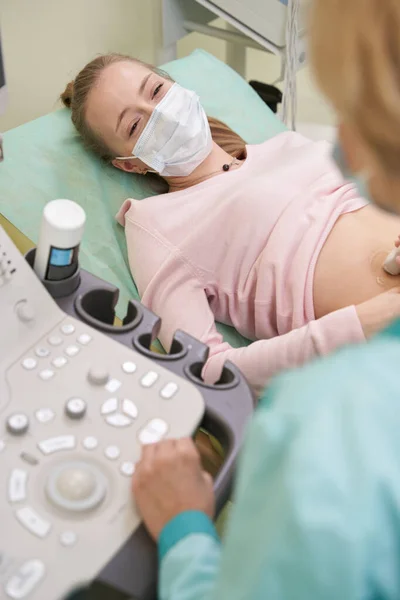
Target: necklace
pixel 225 168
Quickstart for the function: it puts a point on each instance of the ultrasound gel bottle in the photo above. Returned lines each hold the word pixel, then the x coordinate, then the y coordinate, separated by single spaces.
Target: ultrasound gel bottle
pixel 61 233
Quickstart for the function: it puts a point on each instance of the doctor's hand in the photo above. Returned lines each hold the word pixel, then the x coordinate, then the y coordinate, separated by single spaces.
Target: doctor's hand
pixel 169 480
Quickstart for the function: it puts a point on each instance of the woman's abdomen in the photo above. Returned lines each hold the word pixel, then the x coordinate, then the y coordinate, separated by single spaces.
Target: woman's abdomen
pixel 349 269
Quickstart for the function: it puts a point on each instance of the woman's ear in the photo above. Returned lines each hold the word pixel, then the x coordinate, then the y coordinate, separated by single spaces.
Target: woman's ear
pixel 129 166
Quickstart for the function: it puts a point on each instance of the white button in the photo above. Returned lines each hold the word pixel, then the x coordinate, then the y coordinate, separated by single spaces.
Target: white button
pixel 90 443
pixel 18 424
pixel 118 420
pixel 129 367
pixel 127 468
pixel 59 362
pixel 44 415
pixel 85 339
pixel 2 445
pixel 17 485
pixel 112 452
pixel 169 391
pixel 130 409
pixel 75 408
pixel 68 538
pixel 42 352
pixel 62 442
pixel 29 364
pixel 24 582
pixel 46 374
pixel 109 406
pixel 72 351
pixel 113 385
pixel 68 329
pixel 158 425
pixel 154 431
pixel 31 520
pixel 98 376
pixel 149 379
pixel 149 437
pixel 55 340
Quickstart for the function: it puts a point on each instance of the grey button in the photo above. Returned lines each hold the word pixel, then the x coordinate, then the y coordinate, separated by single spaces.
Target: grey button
pixel 57 444
pixel 169 391
pixel 45 415
pixel 33 522
pixel 25 311
pixel 118 420
pixel 76 486
pixel 98 376
pixel 149 379
pixel 26 580
pixel 17 485
pixel 18 424
pixel 75 408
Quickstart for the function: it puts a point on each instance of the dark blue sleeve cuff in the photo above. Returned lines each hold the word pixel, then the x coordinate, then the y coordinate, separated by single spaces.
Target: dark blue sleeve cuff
pixel 184 524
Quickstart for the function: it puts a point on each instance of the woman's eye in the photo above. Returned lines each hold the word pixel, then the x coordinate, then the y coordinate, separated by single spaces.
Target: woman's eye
pixel 133 129
pixel 158 88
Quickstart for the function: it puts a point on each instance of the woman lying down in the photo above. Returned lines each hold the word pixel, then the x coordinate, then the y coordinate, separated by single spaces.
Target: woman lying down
pixel 267 238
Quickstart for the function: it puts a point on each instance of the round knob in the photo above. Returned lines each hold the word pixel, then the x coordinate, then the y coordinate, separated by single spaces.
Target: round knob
pixel 98 376
pixel 75 408
pixel 18 424
pixel 76 486
pixel 25 312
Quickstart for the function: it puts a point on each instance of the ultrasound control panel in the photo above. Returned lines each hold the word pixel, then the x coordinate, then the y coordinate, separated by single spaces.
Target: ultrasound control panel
pixel 77 404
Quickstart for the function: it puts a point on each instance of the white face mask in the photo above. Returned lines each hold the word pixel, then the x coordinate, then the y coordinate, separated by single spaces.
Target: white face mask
pixel 177 137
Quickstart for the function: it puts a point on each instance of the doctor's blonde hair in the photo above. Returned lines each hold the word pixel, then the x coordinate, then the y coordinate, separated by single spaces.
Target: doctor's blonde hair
pixel 355 48
pixel 75 97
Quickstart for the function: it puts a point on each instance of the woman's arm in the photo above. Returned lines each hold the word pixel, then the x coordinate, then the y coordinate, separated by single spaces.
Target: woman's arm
pixel 178 297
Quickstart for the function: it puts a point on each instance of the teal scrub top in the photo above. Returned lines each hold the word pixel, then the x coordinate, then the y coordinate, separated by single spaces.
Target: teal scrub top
pixel 317 503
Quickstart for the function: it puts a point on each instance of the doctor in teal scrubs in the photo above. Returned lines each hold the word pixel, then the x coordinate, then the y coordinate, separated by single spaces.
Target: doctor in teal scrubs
pixel 317 501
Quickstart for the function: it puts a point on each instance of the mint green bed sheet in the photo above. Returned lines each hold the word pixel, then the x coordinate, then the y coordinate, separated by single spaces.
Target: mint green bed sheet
pixel 44 159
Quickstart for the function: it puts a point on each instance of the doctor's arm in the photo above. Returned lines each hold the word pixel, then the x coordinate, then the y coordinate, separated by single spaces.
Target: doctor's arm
pixel 298 529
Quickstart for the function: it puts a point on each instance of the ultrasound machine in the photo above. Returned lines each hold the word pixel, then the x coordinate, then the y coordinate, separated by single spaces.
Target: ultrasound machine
pixel 78 399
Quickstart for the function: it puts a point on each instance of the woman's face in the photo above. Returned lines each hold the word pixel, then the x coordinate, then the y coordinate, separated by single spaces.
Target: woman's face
pixel 119 106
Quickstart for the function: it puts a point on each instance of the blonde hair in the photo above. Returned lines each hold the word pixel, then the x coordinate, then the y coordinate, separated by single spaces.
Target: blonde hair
pixel 75 97
pixel 355 48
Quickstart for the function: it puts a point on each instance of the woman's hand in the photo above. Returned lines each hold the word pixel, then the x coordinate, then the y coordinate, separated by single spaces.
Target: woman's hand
pixel 380 311
pixel 169 480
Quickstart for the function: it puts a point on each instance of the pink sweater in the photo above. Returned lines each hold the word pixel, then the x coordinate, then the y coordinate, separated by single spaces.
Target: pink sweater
pixel 241 248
